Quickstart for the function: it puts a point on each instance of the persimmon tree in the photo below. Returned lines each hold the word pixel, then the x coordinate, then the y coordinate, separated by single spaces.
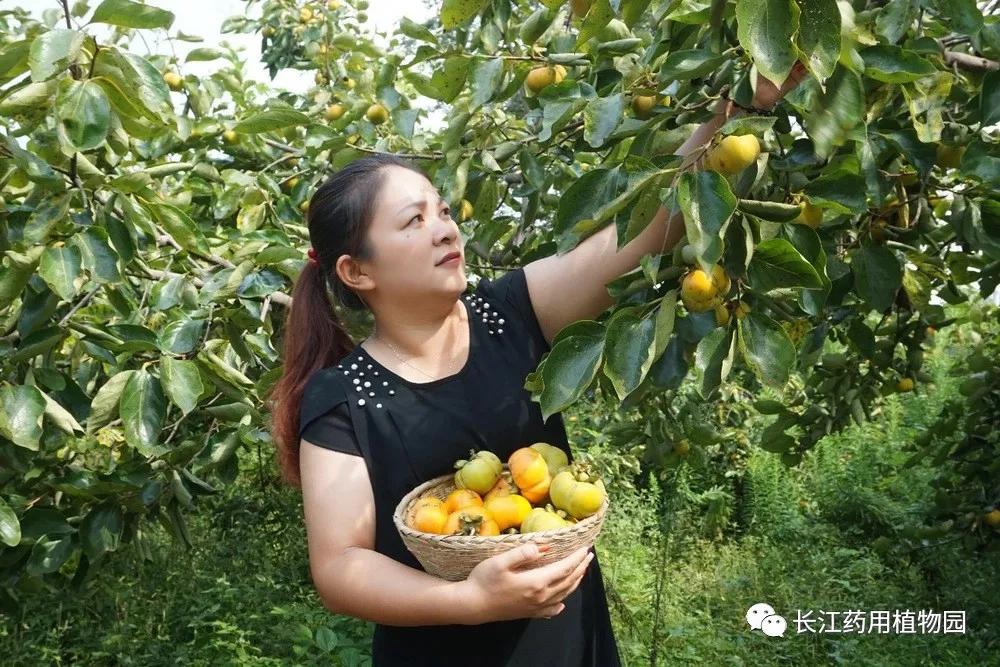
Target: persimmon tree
pixel 152 222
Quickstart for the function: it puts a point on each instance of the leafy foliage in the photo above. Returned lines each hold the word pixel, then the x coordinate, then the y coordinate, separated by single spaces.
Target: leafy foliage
pixel 152 221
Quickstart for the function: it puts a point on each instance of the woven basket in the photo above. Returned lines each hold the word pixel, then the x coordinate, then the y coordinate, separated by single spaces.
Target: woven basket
pixel 452 557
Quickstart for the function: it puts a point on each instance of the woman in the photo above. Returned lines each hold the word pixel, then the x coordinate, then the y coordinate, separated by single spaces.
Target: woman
pixel 358 426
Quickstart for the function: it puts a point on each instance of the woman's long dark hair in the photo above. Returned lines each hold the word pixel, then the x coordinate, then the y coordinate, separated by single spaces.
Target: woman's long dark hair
pixel 339 218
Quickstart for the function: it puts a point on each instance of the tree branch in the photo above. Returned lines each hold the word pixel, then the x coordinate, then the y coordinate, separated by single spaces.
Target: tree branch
pixel 969 61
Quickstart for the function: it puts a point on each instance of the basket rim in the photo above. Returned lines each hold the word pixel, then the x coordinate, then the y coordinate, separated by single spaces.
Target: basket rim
pixel 411 533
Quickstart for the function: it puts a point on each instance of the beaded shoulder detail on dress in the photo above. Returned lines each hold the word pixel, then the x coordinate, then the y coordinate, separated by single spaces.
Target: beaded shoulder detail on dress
pixel 371 389
pixel 490 317
pixel 365 380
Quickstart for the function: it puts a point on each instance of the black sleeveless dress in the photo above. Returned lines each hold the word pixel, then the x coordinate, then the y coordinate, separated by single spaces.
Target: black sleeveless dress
pixel 409 432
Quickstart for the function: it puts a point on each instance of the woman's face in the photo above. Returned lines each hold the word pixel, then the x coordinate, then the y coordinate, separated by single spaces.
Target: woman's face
pixel 411 232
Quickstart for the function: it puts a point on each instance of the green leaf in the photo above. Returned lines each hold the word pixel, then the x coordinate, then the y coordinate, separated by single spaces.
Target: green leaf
pixel 104 406
pixel 599 194
pixel 53 51
pixel 894 19
pixel 643 210
pixel 963 15
pixel 446 82
pixel 689 63
pixel 60 268
pixel 776 264
pixel 21 418
pixel 101 530
pixel 15 270
pixel 819 36
pixel 926 100
pixel 181 336
pixel 980 160
pixel 768 407
pixel 84 114
pixel 628 349
pixel 714 358
pixel 835 112
pixel 665 315
pixel 183 229
pixel 456 12
pixel 773 211
pixel 134 86
pixel 60 416
pixel 708 204
pixel 557 112
pixel 14 59
pixel 128 14
pixel 989 99
pixel 203 54
pixel 748 125
pixel 262 283
pixel 36 169
pixel 486 79
pixel 877 275
pixel 182 381
pixel 808 243
pixel 841 190
pixel 600 118
pixel 99 258
pixel 766 348
pixel 142 411
pixel 48 555
pixel 30 97
pixel 765 29
pixel 892 64
pixel 10 527
pixel 272 119
pixel 412 29
pixel 571 365
pixel 598 16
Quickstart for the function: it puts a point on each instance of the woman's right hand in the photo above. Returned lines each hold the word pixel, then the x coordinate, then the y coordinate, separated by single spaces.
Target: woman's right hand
pixel 511 585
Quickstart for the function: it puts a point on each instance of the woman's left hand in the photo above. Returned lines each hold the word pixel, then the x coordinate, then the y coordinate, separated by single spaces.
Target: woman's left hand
pixel 768 95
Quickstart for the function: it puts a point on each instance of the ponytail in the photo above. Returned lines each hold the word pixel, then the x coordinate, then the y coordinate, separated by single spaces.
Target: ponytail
pixel 314 338
pixel 339 217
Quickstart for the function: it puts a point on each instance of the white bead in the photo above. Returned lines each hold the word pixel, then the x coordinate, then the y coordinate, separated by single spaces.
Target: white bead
pixel 357 388
pixel 368 384
pixel 392 391
pixel 360 359
pixel 371 393
pixel 499 330
pixel 378 405
pixel 357 381
pixel 354 367
pixel 346 372
pixel 500 320
pixel 385 383
pixel 491 330
pixel 486 305
pixel 376 372
pixel 361 401
pixel 369 365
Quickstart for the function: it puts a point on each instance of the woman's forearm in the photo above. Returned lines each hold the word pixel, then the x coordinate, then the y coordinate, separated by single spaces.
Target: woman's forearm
pixel 368 585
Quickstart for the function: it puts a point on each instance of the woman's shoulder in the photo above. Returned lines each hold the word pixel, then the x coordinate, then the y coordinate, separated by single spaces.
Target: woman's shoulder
pixel 508 295
pixel 324 390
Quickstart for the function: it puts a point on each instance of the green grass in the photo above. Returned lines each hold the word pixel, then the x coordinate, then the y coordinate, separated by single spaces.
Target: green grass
pixel 243 595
